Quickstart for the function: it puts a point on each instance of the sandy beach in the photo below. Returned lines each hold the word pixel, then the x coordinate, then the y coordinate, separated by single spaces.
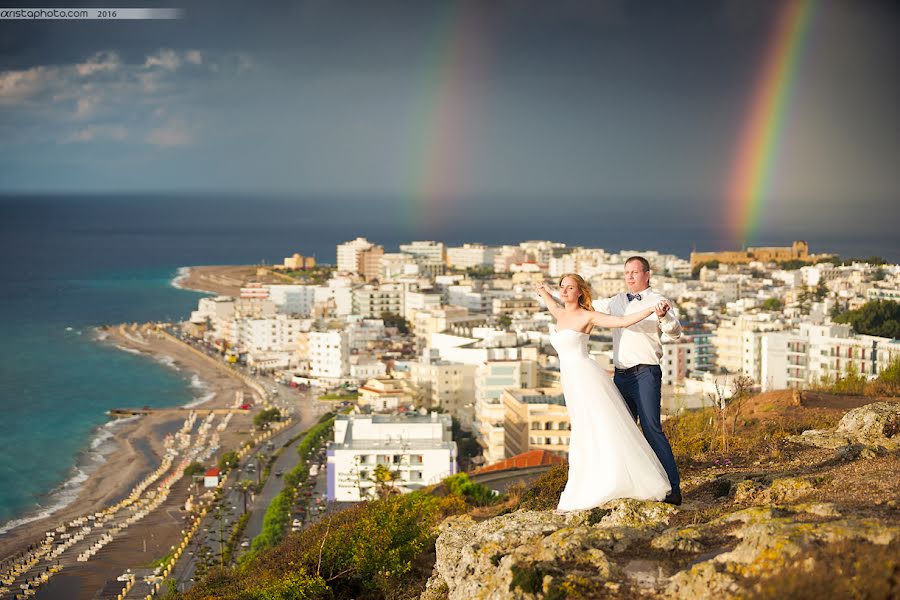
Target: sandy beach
pixel 138 450
pixel 225 280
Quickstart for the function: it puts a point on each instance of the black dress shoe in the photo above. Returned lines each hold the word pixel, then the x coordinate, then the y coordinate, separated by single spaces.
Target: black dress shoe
pixel 673 498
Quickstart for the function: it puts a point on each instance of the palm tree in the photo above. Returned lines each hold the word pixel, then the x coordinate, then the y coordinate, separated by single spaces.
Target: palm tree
pixel 246 484
pixel 384 480
pixel 261 459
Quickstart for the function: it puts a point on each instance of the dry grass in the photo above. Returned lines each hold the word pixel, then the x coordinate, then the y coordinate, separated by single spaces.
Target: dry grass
pixel 759 429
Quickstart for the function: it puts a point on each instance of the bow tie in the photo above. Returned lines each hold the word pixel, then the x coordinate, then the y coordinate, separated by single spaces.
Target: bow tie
pixel 633 297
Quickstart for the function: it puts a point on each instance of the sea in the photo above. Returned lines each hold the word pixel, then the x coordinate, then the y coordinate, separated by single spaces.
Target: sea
pixel 71 263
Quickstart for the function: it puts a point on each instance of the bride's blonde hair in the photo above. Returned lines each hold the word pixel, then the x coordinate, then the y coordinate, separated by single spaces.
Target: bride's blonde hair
pixel 584 301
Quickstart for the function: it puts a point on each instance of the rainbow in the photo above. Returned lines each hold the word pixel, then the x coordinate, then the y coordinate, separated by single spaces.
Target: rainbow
pixel 439 150
pixel 751 176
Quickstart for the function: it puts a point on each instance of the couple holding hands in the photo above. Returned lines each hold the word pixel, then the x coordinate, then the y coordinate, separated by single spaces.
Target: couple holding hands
pixel 609 457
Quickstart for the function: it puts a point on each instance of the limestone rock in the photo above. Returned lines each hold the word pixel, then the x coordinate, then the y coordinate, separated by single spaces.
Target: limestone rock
pixel 702 581
pixel 771 539
pixel 684 539
pixel 873 425
pixel 526 553
pixel 781 490
pixel 615 549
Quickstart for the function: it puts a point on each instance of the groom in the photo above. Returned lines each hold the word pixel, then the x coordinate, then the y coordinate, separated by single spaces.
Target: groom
pixel 637 351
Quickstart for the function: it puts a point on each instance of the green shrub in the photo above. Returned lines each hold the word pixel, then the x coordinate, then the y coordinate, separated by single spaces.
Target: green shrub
pixel 888 382
pixel 292 586
pixel 194 468
pixel 374 549
pixel 264 417
pixel 878 317
pixel 474 493
pixel 544 493
pixel 278 514
pixel 229 460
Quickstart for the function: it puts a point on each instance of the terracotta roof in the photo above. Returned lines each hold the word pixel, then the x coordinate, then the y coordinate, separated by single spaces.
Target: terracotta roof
pixel 214 472
pixel 532 458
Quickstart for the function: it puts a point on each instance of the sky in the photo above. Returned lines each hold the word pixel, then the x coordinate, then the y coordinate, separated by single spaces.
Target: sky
pixel 523 105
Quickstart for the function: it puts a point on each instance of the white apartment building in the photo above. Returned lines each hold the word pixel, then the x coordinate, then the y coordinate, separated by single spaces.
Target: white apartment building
pixel 505 256
pixel 535 419
pixel 677 361
pixel 471 350
pixel 516 307
pixel 371 302
pixel 348 254
pixel 362 369
pixel 804 356
pixel 476 300
pixel 255 290
pixel 492 378
pixel 276 334
pixel 397 264
pixel 364 333
pixel 541 251
pixel 329 354
pixel 419 449
pixel 384 394
pixel 419 300
pixel 738 343
pixel 471 255
pixel 446 385
pixel 218 312
pixel 339 294
pixel 254 308
pixel 293 299
pixel 430 257
pixel 881 293
pixel 429 250
pixel 585 261
pixel 219 307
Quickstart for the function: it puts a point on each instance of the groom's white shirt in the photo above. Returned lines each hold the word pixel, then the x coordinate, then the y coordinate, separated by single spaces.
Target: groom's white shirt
pixel 640 344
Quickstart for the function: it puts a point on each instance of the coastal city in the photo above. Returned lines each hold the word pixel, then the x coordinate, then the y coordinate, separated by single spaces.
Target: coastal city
pixel 450 300
pixel 458 331
pixel 388 373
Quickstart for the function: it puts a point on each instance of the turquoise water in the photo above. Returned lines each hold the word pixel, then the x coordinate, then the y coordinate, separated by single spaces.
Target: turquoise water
pixel 57 381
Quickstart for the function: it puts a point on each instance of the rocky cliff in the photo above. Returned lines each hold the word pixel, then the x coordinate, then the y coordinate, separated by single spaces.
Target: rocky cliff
pixel 818 520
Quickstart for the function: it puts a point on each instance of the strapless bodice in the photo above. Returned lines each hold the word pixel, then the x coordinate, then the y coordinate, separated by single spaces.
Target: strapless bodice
pixel 570 343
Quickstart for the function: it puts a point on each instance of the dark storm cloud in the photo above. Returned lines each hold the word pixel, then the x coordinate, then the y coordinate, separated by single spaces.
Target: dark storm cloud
pixel 587 103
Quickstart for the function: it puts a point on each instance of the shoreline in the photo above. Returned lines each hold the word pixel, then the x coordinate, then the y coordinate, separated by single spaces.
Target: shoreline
pixel 220 280
pixel 121 452
pixel 133 448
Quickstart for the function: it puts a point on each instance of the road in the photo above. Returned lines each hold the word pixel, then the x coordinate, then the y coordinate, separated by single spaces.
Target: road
pixel 218 523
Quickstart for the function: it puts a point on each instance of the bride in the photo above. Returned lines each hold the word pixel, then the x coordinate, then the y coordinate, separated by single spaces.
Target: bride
pixel 608 455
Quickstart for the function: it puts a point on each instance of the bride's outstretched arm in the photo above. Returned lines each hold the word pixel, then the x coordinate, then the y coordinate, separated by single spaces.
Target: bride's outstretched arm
pixel 544 292
pixel 603 320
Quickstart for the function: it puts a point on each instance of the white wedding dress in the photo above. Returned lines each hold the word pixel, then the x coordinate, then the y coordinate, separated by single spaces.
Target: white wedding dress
pixel 608 455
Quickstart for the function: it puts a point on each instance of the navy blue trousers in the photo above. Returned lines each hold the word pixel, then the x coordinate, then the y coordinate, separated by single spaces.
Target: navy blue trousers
pixel 643 395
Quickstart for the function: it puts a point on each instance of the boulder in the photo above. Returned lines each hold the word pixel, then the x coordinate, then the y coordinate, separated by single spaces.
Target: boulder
pixel 779 491
pixel 872 425
pixel 524 553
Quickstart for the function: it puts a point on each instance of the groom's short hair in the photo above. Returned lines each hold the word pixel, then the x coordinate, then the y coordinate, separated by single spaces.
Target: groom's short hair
pixel 644 262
